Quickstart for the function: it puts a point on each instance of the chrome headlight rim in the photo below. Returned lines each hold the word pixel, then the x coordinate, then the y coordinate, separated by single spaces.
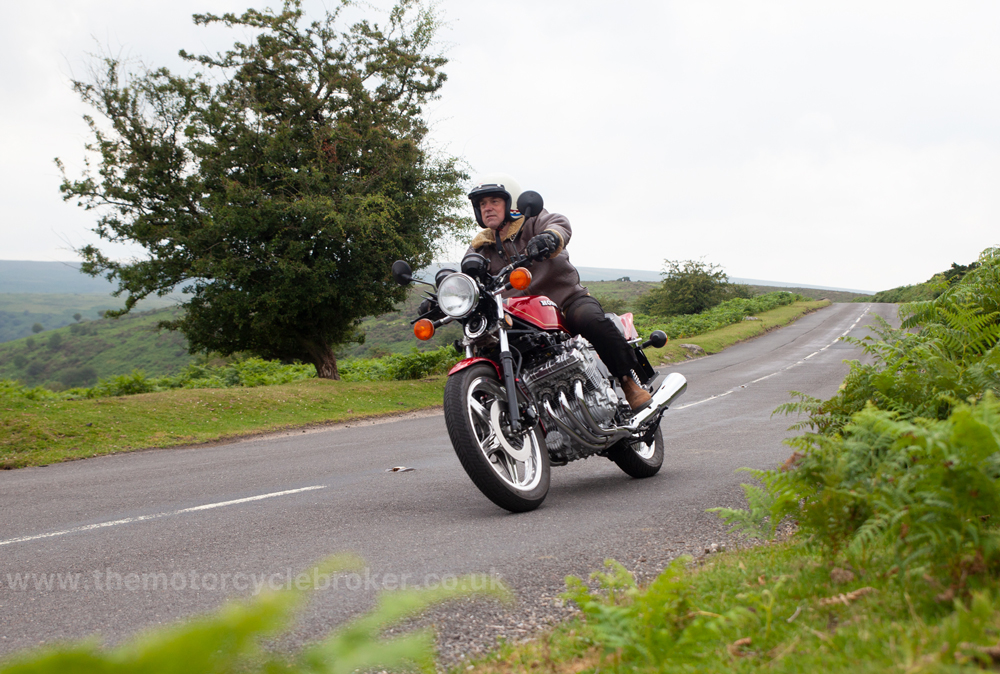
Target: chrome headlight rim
pixel 462 288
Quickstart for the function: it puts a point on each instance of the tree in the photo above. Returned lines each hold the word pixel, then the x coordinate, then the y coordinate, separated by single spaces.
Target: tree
pixel 278 188
pixel 55 341
pixel 690 287
pixel 77 317
pixel 37 327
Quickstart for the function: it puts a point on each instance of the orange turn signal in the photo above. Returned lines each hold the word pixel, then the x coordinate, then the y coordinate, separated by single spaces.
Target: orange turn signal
pixel 423 329
pixel 520 278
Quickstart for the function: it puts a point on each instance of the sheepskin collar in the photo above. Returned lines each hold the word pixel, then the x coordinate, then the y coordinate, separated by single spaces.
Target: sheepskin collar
pixel 486 236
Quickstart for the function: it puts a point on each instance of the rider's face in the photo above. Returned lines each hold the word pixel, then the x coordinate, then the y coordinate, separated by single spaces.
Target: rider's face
pixel 492 211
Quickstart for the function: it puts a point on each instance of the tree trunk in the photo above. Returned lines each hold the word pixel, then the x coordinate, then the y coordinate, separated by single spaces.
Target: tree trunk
pixel 322 357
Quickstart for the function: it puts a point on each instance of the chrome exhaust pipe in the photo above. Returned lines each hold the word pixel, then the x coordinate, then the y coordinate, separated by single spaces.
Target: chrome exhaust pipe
pixel 571 430
pixel 672 387
pixel 580 427
pixel 616 433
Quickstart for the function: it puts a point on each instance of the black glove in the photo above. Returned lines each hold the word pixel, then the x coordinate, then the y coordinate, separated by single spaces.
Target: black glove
pixel 543 245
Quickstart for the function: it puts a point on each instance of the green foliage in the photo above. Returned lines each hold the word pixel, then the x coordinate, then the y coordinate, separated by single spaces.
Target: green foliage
pixel 657 624
pixel 230 639
pixel 37 327
pixel 14 390
pixel 690 287
pixel 768 505
pixel 775 608
pixel 908 451
pixel 930 488
pixel 278 185
pixel 125 385
pixel 414 365
pixel 727 313
pixel 945 352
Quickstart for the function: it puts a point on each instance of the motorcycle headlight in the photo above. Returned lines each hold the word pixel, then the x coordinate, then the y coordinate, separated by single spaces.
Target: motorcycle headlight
pixel 458 295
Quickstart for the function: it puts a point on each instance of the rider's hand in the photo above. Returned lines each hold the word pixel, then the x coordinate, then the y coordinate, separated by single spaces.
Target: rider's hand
pixel 542 245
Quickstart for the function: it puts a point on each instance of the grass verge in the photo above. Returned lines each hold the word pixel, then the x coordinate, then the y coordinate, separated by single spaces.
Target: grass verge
pixel 775 608
pixel 717 340
pixel 34 433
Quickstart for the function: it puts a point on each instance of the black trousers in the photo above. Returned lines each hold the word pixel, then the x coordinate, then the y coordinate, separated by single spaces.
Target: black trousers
pixel 584 316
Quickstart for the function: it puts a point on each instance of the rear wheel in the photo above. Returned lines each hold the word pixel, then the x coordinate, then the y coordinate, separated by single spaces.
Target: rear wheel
pixel 639 459
pixel 511 469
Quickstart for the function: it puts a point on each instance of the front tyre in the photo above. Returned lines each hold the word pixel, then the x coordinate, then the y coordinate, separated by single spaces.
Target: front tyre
pixel 639 459
pixel 512 470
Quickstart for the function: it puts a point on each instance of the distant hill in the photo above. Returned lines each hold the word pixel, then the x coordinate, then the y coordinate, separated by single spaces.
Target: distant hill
pixel 49 294
pixel 79 354
pixel 610 274
pixel 23 276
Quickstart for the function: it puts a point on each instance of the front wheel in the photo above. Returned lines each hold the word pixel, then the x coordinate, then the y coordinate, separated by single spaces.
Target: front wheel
pixel 637 458
pixel 512 470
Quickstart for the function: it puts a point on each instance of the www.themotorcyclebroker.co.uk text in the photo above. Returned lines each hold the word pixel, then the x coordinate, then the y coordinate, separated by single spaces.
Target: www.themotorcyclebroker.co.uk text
pixel 109 580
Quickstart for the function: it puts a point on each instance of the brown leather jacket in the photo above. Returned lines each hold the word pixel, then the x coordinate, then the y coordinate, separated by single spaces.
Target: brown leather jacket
pixel 556 278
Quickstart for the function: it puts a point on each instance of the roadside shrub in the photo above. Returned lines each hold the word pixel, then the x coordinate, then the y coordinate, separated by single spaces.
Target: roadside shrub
pixel 907 454
pixel 249 372
pixel 653 625
pixel 727 313
pixel 125 385
pixel 15 390
pixel 413 365
pixel 930 489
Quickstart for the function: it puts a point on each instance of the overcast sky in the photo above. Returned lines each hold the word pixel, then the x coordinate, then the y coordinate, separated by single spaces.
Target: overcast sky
pixel 846 144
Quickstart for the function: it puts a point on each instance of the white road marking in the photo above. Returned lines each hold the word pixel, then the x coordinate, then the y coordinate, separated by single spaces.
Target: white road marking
pixel 787 367
pixel 143 518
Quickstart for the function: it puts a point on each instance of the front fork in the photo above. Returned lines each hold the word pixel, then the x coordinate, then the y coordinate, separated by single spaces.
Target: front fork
pixel 507 363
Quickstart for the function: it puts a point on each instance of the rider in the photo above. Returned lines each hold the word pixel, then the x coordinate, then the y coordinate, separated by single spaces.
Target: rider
pixel 545 236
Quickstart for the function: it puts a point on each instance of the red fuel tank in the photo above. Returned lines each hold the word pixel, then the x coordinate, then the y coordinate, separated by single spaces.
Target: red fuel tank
pixel 538 310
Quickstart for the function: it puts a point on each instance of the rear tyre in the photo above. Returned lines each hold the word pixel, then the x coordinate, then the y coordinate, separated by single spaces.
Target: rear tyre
pixel 512 470
pixel 639 459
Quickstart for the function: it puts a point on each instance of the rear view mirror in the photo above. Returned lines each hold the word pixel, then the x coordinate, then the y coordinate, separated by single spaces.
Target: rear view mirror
pixel 530 203
pixel 401 272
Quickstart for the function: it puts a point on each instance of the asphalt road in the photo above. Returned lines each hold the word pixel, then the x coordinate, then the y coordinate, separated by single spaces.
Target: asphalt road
pixel 113 545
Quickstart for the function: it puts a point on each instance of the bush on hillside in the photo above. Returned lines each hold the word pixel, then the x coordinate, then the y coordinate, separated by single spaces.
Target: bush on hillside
pixel 690 287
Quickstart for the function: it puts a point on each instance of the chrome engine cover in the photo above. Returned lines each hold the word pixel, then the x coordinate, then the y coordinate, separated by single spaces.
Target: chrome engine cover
pixel 578 362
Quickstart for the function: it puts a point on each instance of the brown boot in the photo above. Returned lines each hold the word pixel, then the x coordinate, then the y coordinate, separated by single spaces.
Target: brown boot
pixel 636 396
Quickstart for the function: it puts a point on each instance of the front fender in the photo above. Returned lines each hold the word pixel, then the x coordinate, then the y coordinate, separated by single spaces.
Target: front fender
pixel 462 364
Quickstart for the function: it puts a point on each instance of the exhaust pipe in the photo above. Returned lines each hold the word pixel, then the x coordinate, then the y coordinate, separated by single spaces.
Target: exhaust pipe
pixel 672 387
pixel 572 430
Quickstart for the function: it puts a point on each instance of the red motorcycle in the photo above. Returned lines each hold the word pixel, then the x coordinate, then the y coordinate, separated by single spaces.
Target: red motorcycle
pixel 529 395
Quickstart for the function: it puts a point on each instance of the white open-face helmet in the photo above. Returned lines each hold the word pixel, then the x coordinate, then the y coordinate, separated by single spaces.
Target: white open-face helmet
pixel 495 184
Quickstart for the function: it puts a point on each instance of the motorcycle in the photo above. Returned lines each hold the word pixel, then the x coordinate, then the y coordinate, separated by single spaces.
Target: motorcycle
pixel 529 395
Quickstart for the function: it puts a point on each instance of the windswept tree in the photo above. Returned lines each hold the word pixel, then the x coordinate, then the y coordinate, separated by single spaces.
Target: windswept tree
pixel 277 184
